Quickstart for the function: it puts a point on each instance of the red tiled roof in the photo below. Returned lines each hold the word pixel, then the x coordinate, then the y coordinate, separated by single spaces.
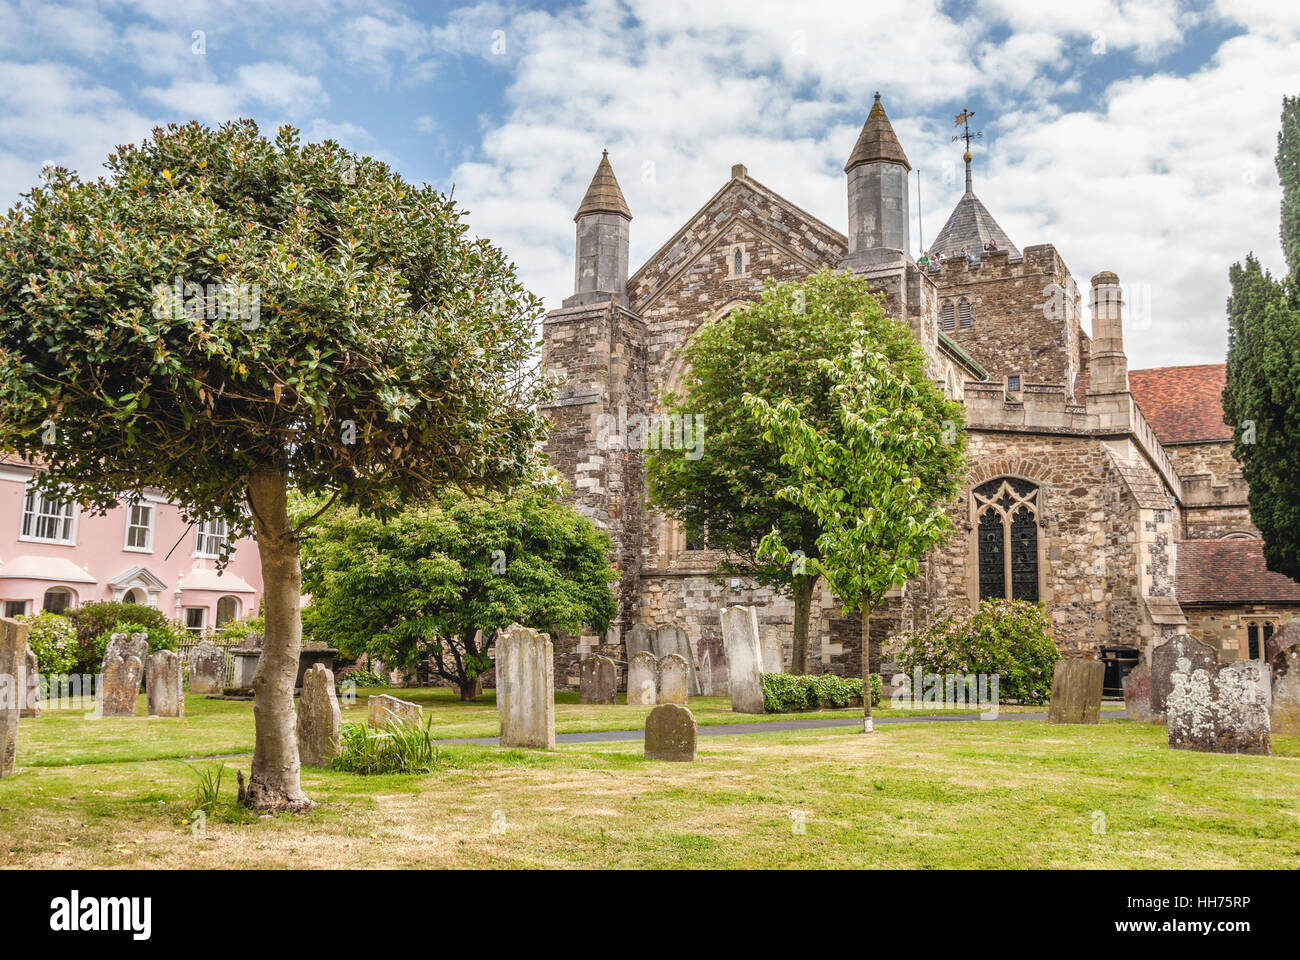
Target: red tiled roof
pixel 1182 404
pixel 1230 572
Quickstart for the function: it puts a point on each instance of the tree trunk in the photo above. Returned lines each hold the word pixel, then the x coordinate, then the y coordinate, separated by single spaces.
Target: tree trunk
pixel 470 689
pixel 866 669
pixel 274 783
pixel 803 591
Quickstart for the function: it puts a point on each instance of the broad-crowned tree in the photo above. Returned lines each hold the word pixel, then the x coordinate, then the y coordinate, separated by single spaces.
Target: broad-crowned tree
pixel 727 491
pixel 225 316
pixel 439 582
pixel 881 487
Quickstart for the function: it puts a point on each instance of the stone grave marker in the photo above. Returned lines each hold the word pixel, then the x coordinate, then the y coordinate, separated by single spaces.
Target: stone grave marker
pixel 13 647
pixel 1137 693
pixel 642 679
pixel 673 680
pixel 207 668
pixel 1284 713
pixel 383 710
pixel 166 696
pixel 640 639
pixel 744 658
pixel 121 673
pixel 1221 709
pixel 1076 691
pixel 715 679
pixel 320 722
pixel 670 733
pixel 773 648
pixel 525 669
pixel 1165 662
pixel 31 706
pixel 1287 636
pixel 670 638
pixel 597 680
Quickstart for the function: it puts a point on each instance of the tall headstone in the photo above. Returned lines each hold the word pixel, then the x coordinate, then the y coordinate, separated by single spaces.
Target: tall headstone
pixel 207 668
pixel 673 680
pixel 1221 709
pixel 1165 660
pixel 31 706
pixel 597 680
pixel 715 678
pixel 773 648
pixel 320 722
pixel 640 639
pixel 166 696
pixel 642 679
pixel 1284 714
pixel 13 647
pixel 744 658
pixel 669 639
pixel 525 670
pixel 1076 691
pixel 383 711
pixel 1137 693
pixel 670 733
pixel 121 673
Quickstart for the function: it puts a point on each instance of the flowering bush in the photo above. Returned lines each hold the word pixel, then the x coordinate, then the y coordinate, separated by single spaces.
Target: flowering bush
pixel 1006 637
pixel 785 693
pixel 53 639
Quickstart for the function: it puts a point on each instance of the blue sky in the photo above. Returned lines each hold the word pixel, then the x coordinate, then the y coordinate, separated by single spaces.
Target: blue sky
pixel 1135 136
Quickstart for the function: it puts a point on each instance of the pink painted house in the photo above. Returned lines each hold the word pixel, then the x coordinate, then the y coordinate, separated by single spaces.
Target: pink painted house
pixel 54 555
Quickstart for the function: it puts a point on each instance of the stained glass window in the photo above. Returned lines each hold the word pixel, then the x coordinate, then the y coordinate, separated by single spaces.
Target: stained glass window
pixel 1007 539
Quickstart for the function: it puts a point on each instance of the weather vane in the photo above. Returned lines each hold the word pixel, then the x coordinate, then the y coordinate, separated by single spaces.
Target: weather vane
pixel 963 121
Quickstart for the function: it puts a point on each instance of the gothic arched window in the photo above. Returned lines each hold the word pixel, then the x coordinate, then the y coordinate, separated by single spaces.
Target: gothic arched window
pixel 946 321
pixel 964 318
pixel 739 264
pixel 1006 524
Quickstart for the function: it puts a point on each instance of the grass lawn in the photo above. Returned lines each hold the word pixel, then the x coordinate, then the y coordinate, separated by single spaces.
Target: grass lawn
pixel 1023 794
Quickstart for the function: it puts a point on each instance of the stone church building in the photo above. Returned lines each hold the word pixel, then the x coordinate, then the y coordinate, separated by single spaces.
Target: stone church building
pixel 1109 495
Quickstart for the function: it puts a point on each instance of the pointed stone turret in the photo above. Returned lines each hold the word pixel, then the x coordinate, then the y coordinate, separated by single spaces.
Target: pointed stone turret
pixel 879 224
pixel 603 235
pixel 970 225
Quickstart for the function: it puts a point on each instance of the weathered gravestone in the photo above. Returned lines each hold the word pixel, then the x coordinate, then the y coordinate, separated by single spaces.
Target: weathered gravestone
pixel 1165 663
pixel 669 639
pixel 673 680
pixel 744 658
pixel 13 646
pixel 773 649
pixel 525 668
pixel 715 679
pixel 597 680
pixel 1287 636
pixel 670 733
pixel 640 639
pixel 1137 693
pixel 121 673
pixel 31 706
pixel 207 668
pixel 166 696
pixel 1221 709
pixel 1284 714
pixel 320 723
pixel 642 679
pixel 1076 691
pixel 383 710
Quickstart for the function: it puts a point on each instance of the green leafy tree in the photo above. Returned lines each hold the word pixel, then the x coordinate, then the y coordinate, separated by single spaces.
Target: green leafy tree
pixel 439 582
pixel 730 495
pixel 223 316
pixel 881 488
pixel 1261 397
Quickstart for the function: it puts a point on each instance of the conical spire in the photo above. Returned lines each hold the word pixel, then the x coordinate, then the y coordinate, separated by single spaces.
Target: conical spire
pixel 603 196
pixel 877 141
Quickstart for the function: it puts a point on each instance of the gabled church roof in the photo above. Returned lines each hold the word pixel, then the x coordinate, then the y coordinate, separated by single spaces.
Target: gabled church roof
pixel 971 226
pixel 1182 404
pixel 877 141
pixel 604 195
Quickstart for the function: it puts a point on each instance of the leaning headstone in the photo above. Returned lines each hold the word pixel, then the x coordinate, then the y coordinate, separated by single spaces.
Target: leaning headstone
pixel 525 670
pixel 384 710
pixel 320 723
pixel 597 680
pixel 207 668
pixel 744 658
pixel 670 733
pixel 1165 661
pixel 673 680
pixel 773 650
pixel 13 646
pixel 640 639
pixel 166 696
pixel 669 639
pixel 31 706
pixel 121 673
pixel 1284 713
pixel 642 679
pixel 1222 709
pixel 1076 691
pixel 1137 693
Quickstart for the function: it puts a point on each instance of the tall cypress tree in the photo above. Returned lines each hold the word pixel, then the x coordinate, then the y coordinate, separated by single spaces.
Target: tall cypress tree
pixel 1261 398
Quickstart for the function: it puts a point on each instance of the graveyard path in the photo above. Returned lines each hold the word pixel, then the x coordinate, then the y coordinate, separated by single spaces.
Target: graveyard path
pixel 732 729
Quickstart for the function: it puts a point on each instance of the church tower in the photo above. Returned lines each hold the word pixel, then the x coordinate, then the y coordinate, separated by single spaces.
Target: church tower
pixel 603 221
pixel 879 222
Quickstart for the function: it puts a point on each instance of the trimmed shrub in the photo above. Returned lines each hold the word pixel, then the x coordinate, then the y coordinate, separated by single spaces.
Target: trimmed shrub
pixel 166 636
pixel 53 639
pixel 364 678
pixel 1009 638
pixel 91 620
pixel 789 693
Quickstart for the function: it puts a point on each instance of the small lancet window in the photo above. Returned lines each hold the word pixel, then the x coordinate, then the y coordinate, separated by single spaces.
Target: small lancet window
pixel 738 263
